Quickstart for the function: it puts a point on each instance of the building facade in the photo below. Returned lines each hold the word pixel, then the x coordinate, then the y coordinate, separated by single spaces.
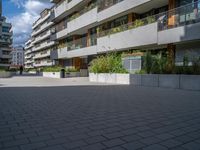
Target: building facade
pixel 5 41
pixel 17 57
pixel 38 47
pixel 84 29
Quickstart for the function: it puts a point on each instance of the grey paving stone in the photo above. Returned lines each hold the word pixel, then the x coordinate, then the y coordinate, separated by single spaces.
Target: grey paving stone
pixel 57 147
pixel 95 139
pixel 75 144
pixel 155 147
pixel 133 145
pixel 32 146
pixel 102 117
pixel 192 146
pixel 131 138
pixel 113 142
pixel 171 143
pixel 15 142
pixel 96 146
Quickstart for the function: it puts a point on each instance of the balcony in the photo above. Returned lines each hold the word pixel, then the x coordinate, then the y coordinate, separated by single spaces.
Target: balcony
pixel 43 63
pixel 4 64
pixel 28 56
pixel 82 47
pixel 87 17
pixel 43 45
pixel 43 36
pixel 42 28
pixel 6 56
pixel 73 3
pixel 179 25
pixel 60 8
pixel 136 34
pixel 62 33
pixel 42 54
pixel 41 20
pixel 59 53
pixel 107 11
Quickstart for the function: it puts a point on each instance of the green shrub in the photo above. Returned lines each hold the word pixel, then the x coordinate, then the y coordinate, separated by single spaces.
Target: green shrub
pixel 141 72
pixel 151 19
pixel 72 70
pixel 159 64
pixel 52 69
pixel 110 63
pixel 138 23
pixel 196 65
pixel 148 61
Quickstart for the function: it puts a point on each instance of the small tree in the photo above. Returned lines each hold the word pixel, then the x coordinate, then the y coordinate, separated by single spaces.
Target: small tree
pixel 148 61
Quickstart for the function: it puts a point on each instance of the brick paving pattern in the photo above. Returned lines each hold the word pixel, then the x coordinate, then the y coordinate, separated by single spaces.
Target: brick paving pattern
pixel 99 118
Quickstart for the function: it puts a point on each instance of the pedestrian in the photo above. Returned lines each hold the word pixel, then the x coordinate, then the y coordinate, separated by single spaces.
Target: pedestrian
pixel 21 70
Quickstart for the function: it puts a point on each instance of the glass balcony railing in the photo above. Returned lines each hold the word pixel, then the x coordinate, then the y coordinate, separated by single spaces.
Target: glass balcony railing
pixel 104 4
pixel 85 10
pixel 184 15
pixel 82 43
pixel 137 23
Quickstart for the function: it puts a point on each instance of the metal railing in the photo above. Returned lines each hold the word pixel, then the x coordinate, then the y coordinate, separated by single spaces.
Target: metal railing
pixel 184 15
pixel 85 10
pixel 137 23
pixel 104 4
pixel 82 42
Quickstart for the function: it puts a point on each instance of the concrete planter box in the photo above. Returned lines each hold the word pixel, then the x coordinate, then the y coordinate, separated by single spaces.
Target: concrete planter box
pixel 6 74
pixel 190 82
pixel 113 78
pixel 73 74
pixel 51 74
pixel 169 81
pixel 150 80
pixel 186 82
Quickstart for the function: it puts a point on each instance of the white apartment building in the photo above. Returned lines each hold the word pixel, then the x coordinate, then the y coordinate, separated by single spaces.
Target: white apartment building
pixel 37 49
pixel 17 57
pixel 84 29
pixel 5 41
pixel 87 28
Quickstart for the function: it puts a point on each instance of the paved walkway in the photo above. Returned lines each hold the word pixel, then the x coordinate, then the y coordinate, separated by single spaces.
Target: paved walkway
pixel 91 117
pixel 38 81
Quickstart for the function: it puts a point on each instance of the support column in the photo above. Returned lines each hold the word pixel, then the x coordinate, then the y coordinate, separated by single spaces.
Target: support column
pixel 171 56
pixel 171 15
pixel 88 38
pixel 130 18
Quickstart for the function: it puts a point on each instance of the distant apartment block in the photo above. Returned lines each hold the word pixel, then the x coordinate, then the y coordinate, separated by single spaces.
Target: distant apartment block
pixel 37 49
pixel 83 29
pixel 5 41
pixel 17 57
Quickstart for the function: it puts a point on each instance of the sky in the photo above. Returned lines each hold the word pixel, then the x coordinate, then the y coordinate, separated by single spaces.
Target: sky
pixel 22 14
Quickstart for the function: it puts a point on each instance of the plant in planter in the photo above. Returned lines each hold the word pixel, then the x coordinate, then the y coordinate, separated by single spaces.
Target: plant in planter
pixel 110 63
pixel 148 61
pixel 138 23
pixel 150 19
pixel 52 69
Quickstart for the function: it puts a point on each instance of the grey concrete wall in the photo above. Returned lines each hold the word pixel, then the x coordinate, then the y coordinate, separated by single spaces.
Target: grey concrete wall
pixel 169 81
pixel 86 19
pixel 150 80
pixel 141 36
pixel 136 79
pixel 179 34
pixel 82 52
pixel 186 82
pixel 190 82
